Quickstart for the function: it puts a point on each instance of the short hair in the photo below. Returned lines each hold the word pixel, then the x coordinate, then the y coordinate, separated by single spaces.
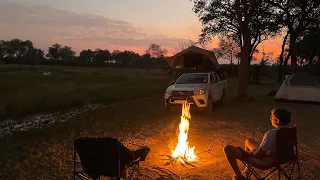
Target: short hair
pixel 283 115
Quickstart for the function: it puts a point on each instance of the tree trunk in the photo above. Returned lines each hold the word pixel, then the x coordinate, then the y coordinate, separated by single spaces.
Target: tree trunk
pixel 281 65
pixel 244 65
pixel 294 59
pixel 280 72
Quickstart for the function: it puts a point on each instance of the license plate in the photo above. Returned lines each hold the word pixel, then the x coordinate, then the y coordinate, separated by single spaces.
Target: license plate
pixel 180 101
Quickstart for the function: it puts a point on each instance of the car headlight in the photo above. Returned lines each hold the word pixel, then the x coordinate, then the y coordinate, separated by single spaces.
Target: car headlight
pixel 200 92
pixel 168 93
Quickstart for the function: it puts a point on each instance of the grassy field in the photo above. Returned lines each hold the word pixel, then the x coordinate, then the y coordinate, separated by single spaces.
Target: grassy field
pixel 25 90
pixel 47 153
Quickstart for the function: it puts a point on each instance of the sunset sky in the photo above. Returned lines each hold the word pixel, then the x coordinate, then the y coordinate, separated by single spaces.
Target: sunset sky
pixel 105 24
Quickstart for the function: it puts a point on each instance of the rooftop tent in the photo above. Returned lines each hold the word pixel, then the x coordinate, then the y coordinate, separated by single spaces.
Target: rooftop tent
pixel 299 87
pixel 193 57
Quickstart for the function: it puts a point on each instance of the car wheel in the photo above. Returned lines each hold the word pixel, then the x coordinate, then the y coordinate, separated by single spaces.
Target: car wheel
pixel 208 109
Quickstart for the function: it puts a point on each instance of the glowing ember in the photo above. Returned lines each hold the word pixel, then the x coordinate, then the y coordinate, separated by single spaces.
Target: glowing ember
pixel 183 152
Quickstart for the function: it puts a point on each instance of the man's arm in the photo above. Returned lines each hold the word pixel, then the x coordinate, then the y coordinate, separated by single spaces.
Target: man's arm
pixel 258 153
pixel 266 145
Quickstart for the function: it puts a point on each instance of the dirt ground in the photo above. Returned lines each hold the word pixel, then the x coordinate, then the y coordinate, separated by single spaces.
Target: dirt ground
pixel 230 124
pixel 209 136
pixel 211 162
pixel 47 153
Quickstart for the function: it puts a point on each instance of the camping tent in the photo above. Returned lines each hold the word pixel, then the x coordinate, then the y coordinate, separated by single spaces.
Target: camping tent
pixel 299 87
pixel 193 57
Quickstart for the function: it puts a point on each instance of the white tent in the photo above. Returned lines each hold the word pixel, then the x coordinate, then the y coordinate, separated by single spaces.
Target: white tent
pixel 299 87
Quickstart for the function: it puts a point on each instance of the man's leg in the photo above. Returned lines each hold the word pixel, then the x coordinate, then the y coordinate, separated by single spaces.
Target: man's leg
pixel 249 145
pixel 232 153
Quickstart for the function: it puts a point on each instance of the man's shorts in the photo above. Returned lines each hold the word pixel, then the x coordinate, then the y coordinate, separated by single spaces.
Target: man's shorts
pixel 264 162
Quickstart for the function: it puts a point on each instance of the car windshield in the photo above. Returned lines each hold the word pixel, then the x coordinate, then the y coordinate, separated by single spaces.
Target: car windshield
pixel 193 79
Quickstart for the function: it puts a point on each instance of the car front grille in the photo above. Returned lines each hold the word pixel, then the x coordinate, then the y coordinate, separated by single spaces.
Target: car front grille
pixel 182 93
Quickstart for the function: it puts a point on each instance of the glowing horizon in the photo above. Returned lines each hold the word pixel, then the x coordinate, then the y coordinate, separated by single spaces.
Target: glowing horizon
pixel 112 24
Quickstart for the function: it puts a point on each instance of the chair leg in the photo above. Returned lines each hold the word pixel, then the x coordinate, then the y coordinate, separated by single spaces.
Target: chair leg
pixel 292 169
pixel 133 169
pixel 298 169
pixel 285 175
pixel 279 173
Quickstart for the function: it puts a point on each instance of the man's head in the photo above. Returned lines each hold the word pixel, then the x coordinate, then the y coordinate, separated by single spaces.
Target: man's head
pixel 280 117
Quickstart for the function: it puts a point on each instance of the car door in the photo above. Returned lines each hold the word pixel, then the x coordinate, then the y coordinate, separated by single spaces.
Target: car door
pixel 219 85
pixel 214 88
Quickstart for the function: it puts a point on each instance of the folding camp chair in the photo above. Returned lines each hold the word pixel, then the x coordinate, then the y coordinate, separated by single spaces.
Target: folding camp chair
pixel 287 154
pixel 106 157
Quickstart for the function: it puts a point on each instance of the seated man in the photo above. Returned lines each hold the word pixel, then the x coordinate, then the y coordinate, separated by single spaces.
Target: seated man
pixel 254 153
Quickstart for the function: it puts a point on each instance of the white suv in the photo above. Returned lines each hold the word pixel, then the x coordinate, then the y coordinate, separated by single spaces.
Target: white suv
pixel 200 90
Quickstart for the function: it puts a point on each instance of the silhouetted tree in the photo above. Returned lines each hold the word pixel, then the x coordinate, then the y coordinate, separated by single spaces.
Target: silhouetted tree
pixel 247 22
pixel 102 57
pixel 68 55
pixel 61 54
pixel 183 45
pixel 308 48
pixel 156 51
pixel 54 52
pixel 23 52
pixel 228 50
pixel 297 16
pixel 2 51
pixel 86 57
pixel 17 51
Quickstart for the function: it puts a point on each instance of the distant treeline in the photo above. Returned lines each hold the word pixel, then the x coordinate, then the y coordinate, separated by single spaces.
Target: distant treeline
pixel 17 51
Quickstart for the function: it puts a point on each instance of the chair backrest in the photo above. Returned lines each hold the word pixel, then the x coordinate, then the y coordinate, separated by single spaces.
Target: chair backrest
pixel 102 156
pixel 286 142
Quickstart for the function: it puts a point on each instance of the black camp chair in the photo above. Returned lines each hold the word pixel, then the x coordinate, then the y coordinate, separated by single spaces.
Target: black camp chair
pixel 106 157
pixel 287 154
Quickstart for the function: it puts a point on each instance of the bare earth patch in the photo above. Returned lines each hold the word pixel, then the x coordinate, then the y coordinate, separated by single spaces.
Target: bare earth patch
pixel 47 153
pixel 209 137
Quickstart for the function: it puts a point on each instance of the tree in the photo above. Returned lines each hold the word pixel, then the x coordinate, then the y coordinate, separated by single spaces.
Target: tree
pixel 228 50
pixel 265 61
pixel 297 17
pixel 308 50
pixel 17 51
pixel 67 54
pixel 86 57
pixel 183 45
pixel 247 22
pixel 283 57
pixel 2 50
pixel 102 56
pixel 35 56
pixel 54 52
pixel 61 54
pixel 124 58
pixel 156 51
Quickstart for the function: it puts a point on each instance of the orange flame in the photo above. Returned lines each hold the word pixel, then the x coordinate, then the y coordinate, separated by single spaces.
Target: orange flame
pixel 183 152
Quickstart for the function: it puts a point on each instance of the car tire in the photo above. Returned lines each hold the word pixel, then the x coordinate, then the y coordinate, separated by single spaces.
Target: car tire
pixel 208 109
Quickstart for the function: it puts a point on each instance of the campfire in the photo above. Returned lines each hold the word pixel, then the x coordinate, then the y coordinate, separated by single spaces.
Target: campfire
pixel 183 152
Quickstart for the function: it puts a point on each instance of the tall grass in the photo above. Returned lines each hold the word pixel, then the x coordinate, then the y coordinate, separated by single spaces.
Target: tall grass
pixel 25 90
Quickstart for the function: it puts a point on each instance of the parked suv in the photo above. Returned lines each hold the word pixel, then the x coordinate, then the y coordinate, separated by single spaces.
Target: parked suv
pixel 201 90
